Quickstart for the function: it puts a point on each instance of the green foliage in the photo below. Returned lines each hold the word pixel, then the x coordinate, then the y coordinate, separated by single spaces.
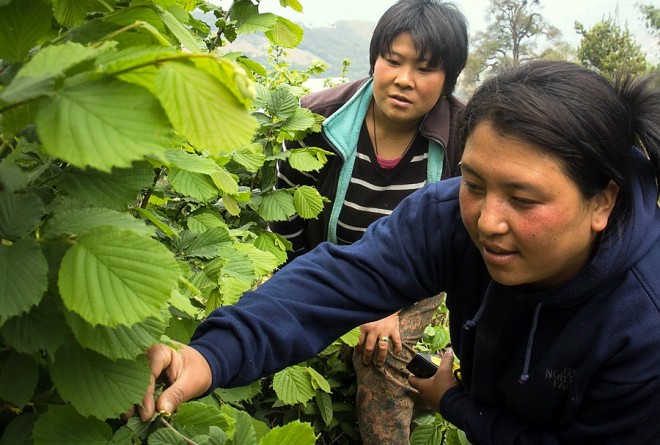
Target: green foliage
pixel 610 49
pixel 136 174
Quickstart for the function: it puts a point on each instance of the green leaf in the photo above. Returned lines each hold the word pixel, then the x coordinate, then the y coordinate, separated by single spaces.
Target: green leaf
pixel 113 277
pixel 183 304
pixel 103 124
pixel 190 162
pixel 208 243
pixel 196 185
pixel 180 32
pixel 426 435
pixel 264 262
pixel 275 244
pixel 318 381
pixel 285 33
pixel 12 178
pixel 23 277
pixel 232 289
pixel 308 202
pixel 293 385
pixel 153 218
pixel 277 206
pixel 202 109
pixel 244 432
pixel 301 120
pixel 304 160
pixel 80 221
pixel 237 264
pixel 43 328
pixel 97 386
pixel 225 181
pixel 281 103
pixel 22 24
pixel 62 425
pixel 257 22
pixel 20 214
pixel 204 220
pixel 166 437
pixel 293 432
pixel 18 378
pixel 117 190
pixel 250 157
pixel 53 61
pixel 324 403
pixel 25 89
pixel 239 394
pixel 73 12
pixel 19 430
pixel 194 418
pixel 120 342
pixel 352 337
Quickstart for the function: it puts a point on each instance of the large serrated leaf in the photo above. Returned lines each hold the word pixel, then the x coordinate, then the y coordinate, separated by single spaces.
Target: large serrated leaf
pixel 195 185
pixel 293 385
pixel 285 33
pixel 97 386
pixel 264 262
pixel 277 206
pixel 318 381
pixel 113 277
pixel 204 220
pixel 103 124
pixel 55 60
pixel 194 418
pixel 244 432
pixel 73 12
pixel 180 32
pixel 202 109
pixel 120 342
pixel 257 22
pixel 293 432
pixel 239 394
pixel 275 244
pixel 23 277
pixel 426 435
pixel 301 120
pixel 324 403
pixel 22 24
pixel 190 162
pixel 282 104
pixel 19 214
pixel 62 425
pixel 251 157
pixel 19 430
pixel 18 378
pixel 304 160
pixel 225 181
pixel 308 202
pixel 43 328
pixel 352 337
pixel 80 221
pixel 116 190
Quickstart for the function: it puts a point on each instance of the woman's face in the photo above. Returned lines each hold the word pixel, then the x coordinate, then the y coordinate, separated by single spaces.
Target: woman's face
pixel 530 222
pixel 405 87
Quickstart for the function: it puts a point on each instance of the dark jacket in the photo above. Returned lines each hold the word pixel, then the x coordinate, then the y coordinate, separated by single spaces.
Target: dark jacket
pixel 345 107
pixel 579 364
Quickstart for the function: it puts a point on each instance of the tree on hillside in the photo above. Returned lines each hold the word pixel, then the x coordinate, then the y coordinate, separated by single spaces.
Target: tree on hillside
pixel 651 16
pixel 610 48
pixel 512 37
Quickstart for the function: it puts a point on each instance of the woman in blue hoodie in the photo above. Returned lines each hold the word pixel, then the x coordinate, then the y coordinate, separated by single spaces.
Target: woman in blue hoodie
pixel 550 264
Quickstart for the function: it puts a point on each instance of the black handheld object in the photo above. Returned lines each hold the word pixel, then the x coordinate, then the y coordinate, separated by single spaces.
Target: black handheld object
pixel 423 365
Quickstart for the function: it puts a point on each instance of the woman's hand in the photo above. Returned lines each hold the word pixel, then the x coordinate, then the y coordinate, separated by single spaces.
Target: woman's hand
pixel 186 371
pixel 432 389
pixel 376 337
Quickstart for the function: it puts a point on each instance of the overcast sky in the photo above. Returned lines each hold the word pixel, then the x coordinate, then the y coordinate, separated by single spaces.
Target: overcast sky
pixel 560 13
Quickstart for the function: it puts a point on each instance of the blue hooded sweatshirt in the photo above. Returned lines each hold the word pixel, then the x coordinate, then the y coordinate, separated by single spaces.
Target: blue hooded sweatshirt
pixel 578 364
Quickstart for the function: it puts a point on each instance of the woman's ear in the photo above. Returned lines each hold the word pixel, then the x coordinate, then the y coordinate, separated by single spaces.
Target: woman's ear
pixel 603 203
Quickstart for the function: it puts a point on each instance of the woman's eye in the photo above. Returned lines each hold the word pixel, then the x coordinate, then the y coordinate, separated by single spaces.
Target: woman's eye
pixel 524 201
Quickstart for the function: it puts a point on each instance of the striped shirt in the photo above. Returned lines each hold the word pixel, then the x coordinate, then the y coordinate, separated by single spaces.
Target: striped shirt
pixel 373 191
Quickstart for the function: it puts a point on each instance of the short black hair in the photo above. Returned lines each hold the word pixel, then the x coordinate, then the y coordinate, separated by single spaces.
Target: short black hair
pixel 585 120
pixel 438 30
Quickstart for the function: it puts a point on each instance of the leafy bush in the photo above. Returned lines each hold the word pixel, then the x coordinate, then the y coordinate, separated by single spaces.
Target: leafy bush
pixel 137 166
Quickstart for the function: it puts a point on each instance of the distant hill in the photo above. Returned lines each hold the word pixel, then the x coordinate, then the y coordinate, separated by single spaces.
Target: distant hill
pixel 346 39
